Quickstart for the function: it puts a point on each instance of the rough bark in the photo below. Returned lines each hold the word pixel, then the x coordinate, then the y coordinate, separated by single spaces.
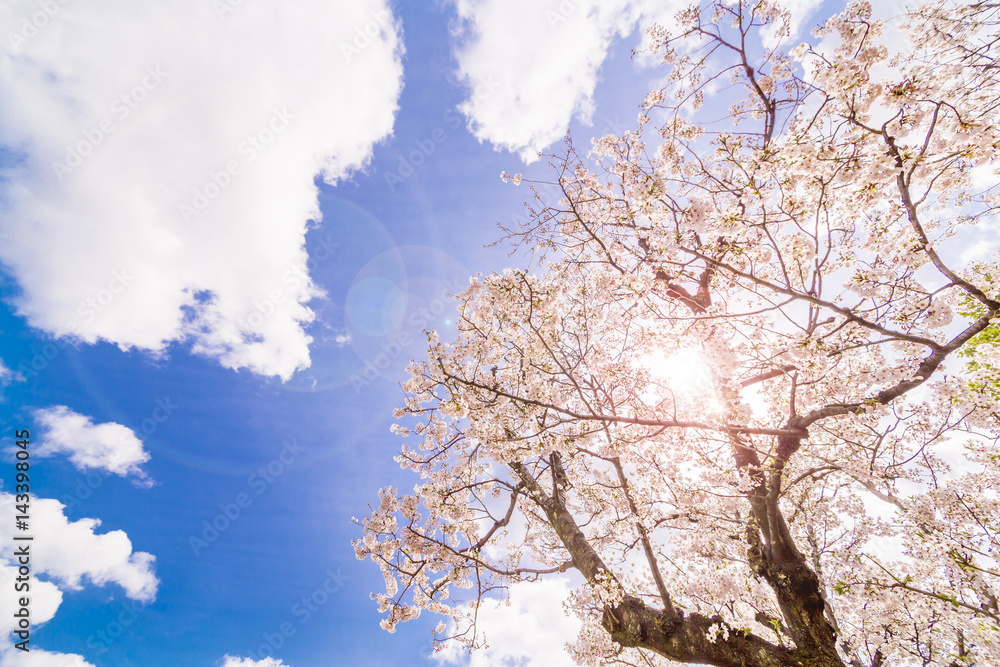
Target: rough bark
pixel 696 638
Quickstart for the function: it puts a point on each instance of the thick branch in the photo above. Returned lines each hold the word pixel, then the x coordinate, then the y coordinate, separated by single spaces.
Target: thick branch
pixel 692 638
pixel 924 371
pixel 585 559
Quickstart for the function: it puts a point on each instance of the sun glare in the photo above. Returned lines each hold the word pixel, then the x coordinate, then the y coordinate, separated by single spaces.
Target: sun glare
pixel 683 372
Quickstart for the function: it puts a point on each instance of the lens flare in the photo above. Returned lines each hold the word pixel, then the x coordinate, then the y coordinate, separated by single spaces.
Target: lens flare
pixel 681 374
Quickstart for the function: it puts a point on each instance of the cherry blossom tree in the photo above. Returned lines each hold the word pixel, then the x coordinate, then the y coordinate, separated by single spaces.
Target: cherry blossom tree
pixel 747 395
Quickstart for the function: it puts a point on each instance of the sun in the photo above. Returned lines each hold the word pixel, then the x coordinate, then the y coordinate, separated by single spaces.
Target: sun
pixel 684 372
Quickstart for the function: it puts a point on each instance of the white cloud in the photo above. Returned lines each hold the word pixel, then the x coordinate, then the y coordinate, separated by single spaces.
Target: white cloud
pixel 64 552
pixel 162 97
pixel 978 250
pixel 233 661
pixel 110 447
pixel 69 551
pixel 7 377
pixel 532 66
pixel 44 599
pixel 39 658
pixel 532 631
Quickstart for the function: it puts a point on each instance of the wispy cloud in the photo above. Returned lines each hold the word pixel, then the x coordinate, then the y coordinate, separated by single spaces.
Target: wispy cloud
pixel 7 378
pixel 233 661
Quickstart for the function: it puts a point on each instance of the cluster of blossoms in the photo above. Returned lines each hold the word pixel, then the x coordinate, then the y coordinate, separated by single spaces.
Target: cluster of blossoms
pixel 824 491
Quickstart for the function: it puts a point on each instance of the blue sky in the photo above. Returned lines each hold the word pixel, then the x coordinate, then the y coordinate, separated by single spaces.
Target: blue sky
pixel 205 318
